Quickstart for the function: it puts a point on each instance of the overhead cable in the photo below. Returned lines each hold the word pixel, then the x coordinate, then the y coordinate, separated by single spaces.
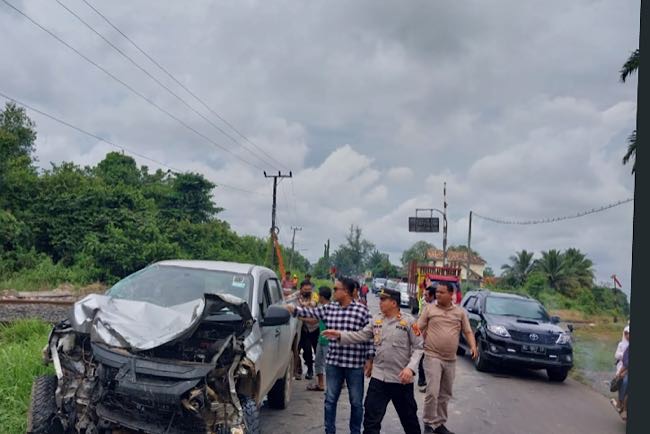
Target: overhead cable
pixel 170 75
pixel 130 88
pixel 161 84
pixel 552 219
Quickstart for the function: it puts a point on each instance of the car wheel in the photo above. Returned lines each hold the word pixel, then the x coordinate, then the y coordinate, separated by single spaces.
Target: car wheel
pixel 251 414
pixel 42 408
pixel 557 374
pixel 481 364
pixel 280 394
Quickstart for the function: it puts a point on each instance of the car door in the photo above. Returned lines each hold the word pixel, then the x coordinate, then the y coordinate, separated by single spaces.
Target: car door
pixel 283 332
pixel 270 338
pixel 471 308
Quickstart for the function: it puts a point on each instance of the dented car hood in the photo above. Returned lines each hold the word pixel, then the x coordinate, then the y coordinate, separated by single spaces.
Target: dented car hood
pixel 139 325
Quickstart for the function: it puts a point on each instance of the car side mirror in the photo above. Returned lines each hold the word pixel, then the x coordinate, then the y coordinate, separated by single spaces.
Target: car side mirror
pixel 473 310
pixel 570 327
pixel 555 319
pixel 275 316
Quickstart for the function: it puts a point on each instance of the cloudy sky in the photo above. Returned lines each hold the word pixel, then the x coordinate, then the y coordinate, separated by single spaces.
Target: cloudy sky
pixel 372 105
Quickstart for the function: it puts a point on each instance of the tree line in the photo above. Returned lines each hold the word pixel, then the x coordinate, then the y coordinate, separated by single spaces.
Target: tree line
pixel 103 222
pixel 563 279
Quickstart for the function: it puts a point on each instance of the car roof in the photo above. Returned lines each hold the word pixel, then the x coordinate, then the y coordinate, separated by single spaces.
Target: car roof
pixel 232 267
pixel 489 293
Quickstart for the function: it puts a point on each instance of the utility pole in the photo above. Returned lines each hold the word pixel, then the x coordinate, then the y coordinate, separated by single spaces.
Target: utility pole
pixel 444 226
pixel 293 240
pixel 469 247
pixel 274 229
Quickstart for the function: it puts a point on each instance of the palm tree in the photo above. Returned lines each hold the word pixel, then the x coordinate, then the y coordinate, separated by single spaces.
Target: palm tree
pixel 579 268
pixel 553 265
pixel 521 264
pixel 630 67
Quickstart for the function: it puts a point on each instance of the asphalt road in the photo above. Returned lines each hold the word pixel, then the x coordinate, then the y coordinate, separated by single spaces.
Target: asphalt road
pixel 522 402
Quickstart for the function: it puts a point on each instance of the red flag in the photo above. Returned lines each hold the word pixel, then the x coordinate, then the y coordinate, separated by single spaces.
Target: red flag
pixel 616 282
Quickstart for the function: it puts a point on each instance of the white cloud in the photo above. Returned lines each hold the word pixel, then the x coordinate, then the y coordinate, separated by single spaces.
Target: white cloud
pixel 371 105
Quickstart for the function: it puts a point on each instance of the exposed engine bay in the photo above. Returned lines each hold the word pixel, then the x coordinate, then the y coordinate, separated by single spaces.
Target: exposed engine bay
pixel 199 382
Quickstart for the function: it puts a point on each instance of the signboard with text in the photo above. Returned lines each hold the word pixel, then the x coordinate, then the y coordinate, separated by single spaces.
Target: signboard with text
pixel 424 224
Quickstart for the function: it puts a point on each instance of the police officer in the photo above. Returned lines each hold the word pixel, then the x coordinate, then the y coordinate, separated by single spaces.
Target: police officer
pixel 398 349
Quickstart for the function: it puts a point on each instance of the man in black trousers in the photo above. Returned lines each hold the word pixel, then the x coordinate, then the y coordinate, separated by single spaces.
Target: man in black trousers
pixel 398 349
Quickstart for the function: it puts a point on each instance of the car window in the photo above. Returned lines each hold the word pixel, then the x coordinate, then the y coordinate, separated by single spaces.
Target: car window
pixel 516 307
pixel 168 285
pixel 274 291
pixel 471 303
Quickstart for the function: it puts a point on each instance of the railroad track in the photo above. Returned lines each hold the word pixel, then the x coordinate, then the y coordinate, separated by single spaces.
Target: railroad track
pixel 48 310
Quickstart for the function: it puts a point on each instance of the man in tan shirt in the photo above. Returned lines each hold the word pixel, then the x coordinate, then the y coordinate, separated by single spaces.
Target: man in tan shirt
pixel 441 324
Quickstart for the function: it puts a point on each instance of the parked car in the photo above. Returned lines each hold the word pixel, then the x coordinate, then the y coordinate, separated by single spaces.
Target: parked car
pixel 377 284
pixel 179 346
pixel 514 330
pixel 403 288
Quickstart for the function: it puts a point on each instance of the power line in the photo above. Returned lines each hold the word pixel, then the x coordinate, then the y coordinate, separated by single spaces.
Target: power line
pixel 120 147
pixel 131 89
pixel 553 219
pixel 148 74
pixel 170 75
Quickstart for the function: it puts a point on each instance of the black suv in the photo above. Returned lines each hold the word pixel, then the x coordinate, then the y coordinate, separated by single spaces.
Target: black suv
pixel 516 330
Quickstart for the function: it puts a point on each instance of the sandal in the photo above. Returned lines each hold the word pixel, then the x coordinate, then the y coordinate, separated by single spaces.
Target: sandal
pixel 315 388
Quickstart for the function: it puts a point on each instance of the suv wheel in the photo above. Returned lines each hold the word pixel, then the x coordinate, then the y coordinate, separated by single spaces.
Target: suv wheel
pixel 557 374
pixel 42 408
pixel 481 364
pixel 280 393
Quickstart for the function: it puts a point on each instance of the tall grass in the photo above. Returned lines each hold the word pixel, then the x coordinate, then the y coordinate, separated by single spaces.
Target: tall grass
pixel 21 360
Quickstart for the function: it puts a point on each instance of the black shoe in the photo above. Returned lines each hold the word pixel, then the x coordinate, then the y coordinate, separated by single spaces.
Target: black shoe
pixel 442 430
pixel 309 375
pixel 428 428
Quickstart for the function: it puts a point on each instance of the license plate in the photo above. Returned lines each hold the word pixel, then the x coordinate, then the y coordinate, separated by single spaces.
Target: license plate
pixel 535 349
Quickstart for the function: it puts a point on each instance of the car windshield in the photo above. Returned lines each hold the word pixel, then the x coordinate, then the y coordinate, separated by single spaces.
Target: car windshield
pixel 402 286
pixel 380 280
pixel 391 284
pixel 166 285
pixel 516 307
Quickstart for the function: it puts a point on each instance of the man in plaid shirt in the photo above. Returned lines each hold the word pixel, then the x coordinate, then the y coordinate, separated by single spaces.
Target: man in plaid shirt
pixel 343 362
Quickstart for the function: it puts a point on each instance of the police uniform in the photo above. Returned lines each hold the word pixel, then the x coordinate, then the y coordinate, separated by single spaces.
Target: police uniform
pixel 398 345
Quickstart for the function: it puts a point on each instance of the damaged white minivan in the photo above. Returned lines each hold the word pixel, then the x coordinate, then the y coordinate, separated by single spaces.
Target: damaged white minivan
pixel 177 347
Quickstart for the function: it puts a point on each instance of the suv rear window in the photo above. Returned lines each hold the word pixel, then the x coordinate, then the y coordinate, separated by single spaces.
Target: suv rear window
pixel 516 307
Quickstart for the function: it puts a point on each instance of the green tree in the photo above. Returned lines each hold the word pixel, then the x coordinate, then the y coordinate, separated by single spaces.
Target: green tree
pixel 553 266
pixel 417 252
pixel 351 258
pixel 190 198
pixel 630 66
pixel 380 266
pixel 17 172
pixel 579 268
pixel 520 266
pixel 488 272
pixel 117 168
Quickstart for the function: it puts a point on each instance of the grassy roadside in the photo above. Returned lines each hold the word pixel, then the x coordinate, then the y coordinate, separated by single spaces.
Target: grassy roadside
pixel 595 340
pixel 21 344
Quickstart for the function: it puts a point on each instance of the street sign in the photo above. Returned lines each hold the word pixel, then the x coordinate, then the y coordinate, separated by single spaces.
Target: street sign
pixel 424 224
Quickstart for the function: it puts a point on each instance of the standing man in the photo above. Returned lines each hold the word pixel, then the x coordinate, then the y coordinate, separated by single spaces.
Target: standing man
pixel 310 330
pixel 428 297
pixel 343 362
pixel 441 323
pixel 324 296
pixel 398 351
pixel 287 284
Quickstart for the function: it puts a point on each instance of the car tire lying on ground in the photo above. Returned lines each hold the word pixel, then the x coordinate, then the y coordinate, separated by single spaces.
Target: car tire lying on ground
pixel 42 407
pixel 557 374
pixel 281 392
pixel 251 414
